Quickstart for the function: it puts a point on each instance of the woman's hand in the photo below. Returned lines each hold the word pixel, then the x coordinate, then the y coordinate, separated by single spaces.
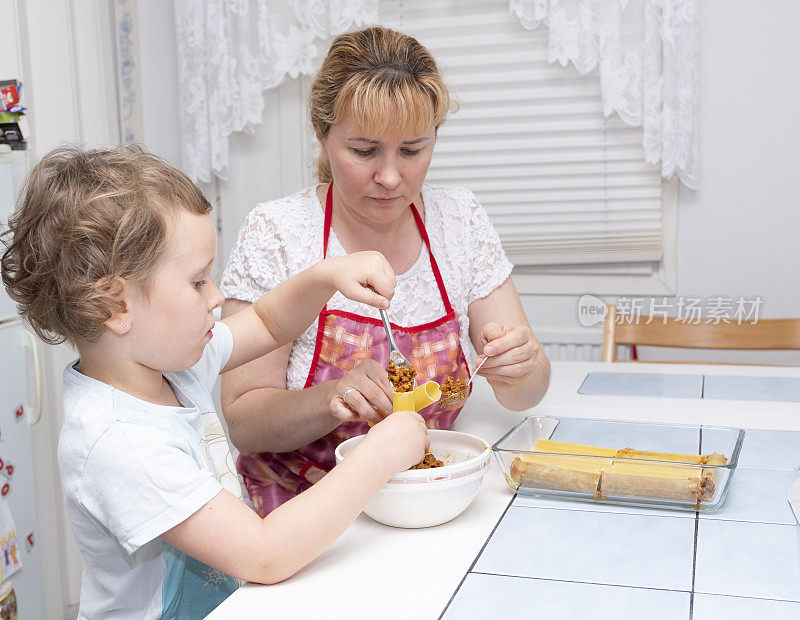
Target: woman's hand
pixel 364 394
pixel 512 352
pixel 365 277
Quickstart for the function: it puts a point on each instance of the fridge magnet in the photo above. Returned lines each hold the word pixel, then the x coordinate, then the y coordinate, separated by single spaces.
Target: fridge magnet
pixel 10 561
pixel 20 411
pixel 4 490
pixel 29 542
pixel 8 602
pixel 8 470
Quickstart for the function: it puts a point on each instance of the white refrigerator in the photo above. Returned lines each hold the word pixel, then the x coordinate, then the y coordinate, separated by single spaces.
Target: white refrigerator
pixel 20 409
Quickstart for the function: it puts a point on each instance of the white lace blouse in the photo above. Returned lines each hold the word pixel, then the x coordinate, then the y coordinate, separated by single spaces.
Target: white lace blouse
pixel 281 238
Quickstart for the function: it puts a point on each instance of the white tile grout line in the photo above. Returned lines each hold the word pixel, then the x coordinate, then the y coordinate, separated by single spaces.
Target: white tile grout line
pixel 478 555
pixel 696 525
pixel 588 583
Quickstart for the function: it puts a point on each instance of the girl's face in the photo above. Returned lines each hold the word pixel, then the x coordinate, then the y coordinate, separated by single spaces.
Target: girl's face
pixel 171 324
pixel 377 176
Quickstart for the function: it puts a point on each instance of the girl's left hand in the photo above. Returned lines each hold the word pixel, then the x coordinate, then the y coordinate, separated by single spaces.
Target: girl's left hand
pixel 512 352
pixel 365 277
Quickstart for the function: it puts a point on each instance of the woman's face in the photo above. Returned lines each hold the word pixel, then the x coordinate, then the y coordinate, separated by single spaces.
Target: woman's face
pixel 377 176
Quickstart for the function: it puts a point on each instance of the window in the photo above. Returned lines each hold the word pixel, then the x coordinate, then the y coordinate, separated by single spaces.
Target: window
pixel 576 206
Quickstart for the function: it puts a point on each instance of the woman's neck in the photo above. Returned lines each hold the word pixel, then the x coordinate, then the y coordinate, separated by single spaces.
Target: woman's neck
pixel 398 240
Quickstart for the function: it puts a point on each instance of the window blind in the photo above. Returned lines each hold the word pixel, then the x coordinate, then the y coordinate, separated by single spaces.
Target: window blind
pixel 561 183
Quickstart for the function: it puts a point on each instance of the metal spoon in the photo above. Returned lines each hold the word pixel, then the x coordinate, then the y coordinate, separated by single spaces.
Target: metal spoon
pixel 394 353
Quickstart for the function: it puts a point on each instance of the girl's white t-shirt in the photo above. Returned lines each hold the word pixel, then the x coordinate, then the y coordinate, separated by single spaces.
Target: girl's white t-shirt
pixel 281 238
pixel 131 470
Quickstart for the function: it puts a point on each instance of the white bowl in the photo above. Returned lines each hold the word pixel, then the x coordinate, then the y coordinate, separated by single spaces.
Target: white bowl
pixel 426 497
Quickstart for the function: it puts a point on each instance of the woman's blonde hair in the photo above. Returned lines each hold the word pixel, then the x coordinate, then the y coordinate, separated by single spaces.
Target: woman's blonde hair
pixel 86 221
pixel 384 77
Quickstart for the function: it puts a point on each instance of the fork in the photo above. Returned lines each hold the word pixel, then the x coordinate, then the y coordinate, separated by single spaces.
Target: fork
pixel 394 353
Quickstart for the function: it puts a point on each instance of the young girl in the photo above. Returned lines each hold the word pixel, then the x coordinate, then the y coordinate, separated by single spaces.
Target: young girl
pixel 111 250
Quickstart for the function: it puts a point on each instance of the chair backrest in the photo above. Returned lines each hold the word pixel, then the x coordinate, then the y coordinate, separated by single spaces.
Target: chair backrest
pixel 764 334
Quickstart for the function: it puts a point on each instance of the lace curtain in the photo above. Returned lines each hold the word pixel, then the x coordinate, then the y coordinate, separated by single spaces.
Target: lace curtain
pixel 230 51
pixel 646 51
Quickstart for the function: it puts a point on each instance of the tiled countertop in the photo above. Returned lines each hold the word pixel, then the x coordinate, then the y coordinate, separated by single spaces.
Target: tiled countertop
pixel 514 556
pixel 760 388
pixel 560 558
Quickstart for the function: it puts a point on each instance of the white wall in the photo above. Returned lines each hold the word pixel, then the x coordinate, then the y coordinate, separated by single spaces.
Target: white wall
pixel 158 75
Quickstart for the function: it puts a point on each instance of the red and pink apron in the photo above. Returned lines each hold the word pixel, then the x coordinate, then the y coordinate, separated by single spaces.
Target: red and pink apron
pixel 343 340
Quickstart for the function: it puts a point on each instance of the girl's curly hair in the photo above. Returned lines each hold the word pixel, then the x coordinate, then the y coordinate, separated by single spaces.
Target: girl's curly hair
pixel 86 221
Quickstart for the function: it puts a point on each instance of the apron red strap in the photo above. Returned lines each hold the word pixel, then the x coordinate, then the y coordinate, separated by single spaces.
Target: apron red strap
pixel 321 321
pixel 439 282
pixel 328 217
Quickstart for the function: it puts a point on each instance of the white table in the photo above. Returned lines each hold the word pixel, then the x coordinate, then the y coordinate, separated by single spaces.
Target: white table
pixel 529 557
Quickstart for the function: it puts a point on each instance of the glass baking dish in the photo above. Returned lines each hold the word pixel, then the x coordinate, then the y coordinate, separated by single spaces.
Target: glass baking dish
pixel 677 466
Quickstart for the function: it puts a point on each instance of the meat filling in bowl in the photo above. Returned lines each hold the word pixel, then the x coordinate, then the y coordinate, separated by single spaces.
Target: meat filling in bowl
pixel 429 462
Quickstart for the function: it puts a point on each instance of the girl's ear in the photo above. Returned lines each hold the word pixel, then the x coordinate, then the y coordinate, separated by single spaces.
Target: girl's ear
pixel 119 323
pixel 120 320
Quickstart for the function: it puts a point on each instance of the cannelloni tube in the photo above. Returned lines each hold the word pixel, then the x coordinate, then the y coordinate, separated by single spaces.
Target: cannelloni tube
pixel 544 476
pixel 694 489
pixel 710 473
pixel 403 401
pixel 657 481
pixel 426 394
pixel 630 453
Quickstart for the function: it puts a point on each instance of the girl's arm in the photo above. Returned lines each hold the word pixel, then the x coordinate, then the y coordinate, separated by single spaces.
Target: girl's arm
pixel 230 537
pixel 517 369
pixel 283 313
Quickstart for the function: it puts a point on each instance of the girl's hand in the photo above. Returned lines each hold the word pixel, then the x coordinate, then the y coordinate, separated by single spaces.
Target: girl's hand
pixel 399 441
pixel 365 277
pixel 364 394
pixel 512 353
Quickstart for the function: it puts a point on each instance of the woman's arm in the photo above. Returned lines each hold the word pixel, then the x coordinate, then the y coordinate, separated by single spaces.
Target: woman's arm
pixel 517 368
pixel 229 536
pixel 263 416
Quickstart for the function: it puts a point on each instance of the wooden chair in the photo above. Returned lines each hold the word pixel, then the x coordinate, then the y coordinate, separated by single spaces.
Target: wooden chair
pixel 765 334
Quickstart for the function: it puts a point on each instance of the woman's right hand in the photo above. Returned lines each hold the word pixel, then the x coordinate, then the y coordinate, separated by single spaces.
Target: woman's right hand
pixel 399 441
pixel 364 394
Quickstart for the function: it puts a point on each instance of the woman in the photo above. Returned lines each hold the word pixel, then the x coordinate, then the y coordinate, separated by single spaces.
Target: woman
pixel 376 105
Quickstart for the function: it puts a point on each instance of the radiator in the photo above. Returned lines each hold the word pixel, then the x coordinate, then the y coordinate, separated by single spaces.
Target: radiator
pixel 575 345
